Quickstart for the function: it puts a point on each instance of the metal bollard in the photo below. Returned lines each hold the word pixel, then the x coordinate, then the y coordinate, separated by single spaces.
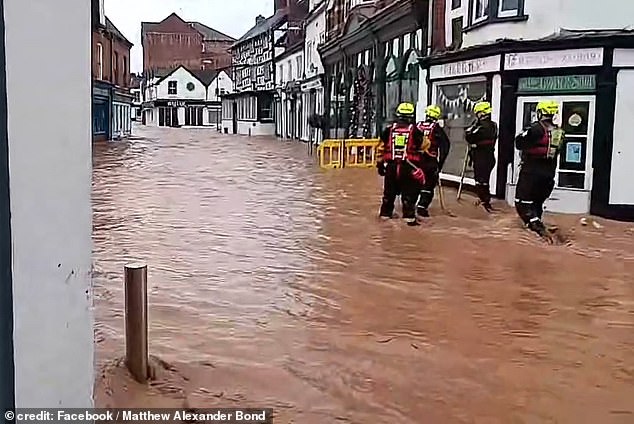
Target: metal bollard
pixel 136 325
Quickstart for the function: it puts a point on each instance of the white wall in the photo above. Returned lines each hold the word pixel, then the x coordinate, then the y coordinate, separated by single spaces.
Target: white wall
pixel 315 30
pixel 621 189
pixel 50 183
pixel 256 128
pixel 282 75
pixel 182 77
pixel 545 18
pixel 221 81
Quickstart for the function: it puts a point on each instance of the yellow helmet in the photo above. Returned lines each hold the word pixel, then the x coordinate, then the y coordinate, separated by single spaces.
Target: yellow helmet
pixel 433 111
pixel 548 107
pixel 406 110
pixel 483 107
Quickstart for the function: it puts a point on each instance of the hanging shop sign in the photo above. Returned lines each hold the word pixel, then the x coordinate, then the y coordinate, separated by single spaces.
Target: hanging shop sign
pixel 480 65
pixel 554 59
pixel 557 84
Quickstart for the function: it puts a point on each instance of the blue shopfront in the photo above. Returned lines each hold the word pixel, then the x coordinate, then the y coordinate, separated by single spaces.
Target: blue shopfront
pixel 101 107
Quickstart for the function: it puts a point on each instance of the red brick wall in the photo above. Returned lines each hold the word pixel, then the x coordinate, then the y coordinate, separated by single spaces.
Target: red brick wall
pixel 218 53
pixel 109 47
pixel 169 50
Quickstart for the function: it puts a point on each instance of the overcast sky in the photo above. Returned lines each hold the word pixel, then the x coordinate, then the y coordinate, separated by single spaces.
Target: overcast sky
pixel 232 17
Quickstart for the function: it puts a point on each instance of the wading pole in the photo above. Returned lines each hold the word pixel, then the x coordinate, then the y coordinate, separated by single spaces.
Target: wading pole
pixel 136 325
pixel 464 169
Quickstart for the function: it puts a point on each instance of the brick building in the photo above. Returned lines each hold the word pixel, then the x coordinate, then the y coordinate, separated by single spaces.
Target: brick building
pixel 111 80
pixel 174 42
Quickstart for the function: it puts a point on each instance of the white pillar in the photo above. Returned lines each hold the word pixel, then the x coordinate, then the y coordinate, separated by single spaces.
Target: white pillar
pixel 50 185
pixel 496 100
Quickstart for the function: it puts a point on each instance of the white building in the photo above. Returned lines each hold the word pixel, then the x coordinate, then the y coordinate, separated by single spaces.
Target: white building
pixel 312 89
pixel 290 122
pixel 184 97
pixel 135 111
pixel 514 53
pixel 46 323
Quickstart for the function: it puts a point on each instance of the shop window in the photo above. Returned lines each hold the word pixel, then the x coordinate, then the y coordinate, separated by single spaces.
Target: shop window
pixel 392 89
pixel 572 158
pixel 456 101
pixel 265 108
pixel 172 88
pixel 410 79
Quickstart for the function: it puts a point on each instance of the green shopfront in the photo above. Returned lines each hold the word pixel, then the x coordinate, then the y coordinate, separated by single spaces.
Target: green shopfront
pixel 576 95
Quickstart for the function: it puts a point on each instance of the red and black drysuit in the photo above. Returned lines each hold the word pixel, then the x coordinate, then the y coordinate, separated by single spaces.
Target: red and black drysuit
pixel 432 162
pixel 481 137
pixel 537 173
pixel 397 165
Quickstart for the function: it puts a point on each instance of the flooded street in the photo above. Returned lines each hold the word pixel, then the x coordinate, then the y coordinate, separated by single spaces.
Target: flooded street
pixel 272 284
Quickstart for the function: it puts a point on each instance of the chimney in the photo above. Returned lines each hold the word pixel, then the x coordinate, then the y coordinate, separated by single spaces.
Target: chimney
pixel 259 19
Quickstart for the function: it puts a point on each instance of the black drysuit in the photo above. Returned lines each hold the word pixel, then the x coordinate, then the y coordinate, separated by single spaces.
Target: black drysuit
pixel 398 179
pixel 432 166
pixel 481 137
pixel 536 179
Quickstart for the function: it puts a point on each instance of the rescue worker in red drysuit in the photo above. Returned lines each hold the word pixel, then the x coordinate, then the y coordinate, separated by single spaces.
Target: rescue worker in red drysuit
pixel 539 145
pixel 400 163
pixel 481 136
pixel 433 156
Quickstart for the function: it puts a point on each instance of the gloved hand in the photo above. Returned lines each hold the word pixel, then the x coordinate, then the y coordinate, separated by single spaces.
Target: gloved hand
pixel 419 176
pixel 380 166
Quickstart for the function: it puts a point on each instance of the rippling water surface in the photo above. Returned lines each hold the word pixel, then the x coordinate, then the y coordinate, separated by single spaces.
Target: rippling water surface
pixel 273 284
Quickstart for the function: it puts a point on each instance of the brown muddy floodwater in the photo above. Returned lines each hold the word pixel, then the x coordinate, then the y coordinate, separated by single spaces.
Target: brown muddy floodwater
pixel 272 284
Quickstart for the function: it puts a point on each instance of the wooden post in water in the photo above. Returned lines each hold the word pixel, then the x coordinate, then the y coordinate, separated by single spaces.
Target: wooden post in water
pixel 136 325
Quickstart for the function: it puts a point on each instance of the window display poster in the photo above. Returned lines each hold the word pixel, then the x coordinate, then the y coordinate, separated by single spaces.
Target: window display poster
pixel 573 152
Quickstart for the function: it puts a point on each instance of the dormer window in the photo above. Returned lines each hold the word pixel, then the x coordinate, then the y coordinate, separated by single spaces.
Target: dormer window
pixel 482 12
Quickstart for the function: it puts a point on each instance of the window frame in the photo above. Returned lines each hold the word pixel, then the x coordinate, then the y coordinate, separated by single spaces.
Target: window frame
pixel 486 10
pixel 494 14
pixel 169 88
pixel 99 61
pixel 508 13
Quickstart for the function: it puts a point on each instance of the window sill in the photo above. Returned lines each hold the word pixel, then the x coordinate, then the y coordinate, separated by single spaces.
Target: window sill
pixel 496 20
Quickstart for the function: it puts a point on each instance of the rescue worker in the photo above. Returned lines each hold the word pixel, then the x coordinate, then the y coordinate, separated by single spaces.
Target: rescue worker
pixel 400 163
pixel 432 157
pixel 539 145
pixel 481 136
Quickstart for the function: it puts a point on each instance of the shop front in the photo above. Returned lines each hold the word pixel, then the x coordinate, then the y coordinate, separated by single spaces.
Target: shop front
pixel 370 67
pixel 576 96
pixel 101 111
pixel 456 87
pixel 591 84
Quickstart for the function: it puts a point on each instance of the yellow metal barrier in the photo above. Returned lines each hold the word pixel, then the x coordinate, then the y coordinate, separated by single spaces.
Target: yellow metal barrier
pixel 330 154
pixel 351 153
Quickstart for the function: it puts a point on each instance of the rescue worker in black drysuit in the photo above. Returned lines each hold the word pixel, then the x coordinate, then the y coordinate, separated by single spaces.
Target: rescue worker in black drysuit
pixel 400 163
pixel 539 145
pixel 432 157
pixel 481 136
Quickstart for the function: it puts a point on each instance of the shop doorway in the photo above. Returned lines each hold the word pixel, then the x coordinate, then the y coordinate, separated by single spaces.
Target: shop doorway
pixel 573 180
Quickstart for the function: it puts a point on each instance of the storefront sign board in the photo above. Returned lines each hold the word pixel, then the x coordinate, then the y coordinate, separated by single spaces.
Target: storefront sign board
pixel 463 68
pixel 554 59
pixel 557 84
